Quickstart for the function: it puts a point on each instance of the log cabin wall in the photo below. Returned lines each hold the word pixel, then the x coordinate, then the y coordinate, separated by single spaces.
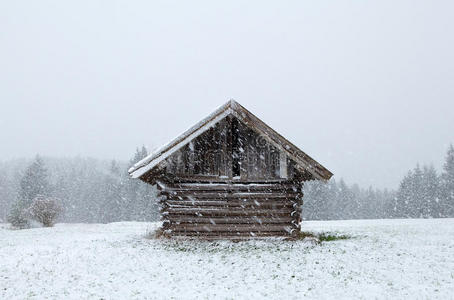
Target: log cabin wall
pixel 231 210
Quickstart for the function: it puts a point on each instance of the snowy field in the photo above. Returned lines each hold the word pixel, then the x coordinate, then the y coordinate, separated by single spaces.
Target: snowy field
pixel 412 259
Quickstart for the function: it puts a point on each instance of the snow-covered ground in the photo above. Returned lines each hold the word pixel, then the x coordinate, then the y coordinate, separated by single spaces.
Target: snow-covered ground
pixel 411 259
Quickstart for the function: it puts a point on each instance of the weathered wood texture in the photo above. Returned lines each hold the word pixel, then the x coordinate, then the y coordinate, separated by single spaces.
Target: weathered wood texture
pixel 230 176
pixel 228 129
pixel 230 150
pixel 229 210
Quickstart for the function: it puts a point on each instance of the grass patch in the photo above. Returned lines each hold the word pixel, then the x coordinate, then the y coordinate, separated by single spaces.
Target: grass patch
pixel 321 237
pixel 329 237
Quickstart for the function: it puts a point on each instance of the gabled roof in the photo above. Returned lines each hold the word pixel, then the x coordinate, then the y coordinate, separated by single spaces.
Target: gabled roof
pixel 302 160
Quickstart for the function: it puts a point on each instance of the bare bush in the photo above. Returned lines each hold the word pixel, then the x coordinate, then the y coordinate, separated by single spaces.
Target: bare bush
pixel 45 210
pixel 18 216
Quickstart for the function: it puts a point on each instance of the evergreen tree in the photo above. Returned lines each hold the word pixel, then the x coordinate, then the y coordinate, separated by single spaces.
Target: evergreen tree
pixel 112 189
pixel 346 206
pixel 369 204
pixel 418 194
pixel 139 155
pixel 140 204
pixel 315 200
pixel 377 206
pixel 404 197
pixel 430 193
pixel 388 198
pixel 3 197
pixel 358 206
pixel 447 183
pixel 33 183
pixel 416 204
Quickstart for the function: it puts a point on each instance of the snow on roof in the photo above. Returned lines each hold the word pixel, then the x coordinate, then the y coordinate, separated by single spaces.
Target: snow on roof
pixel 232 107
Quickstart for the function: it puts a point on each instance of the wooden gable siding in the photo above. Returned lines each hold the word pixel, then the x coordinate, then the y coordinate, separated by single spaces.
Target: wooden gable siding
pixel 258 159
pixel 153 163
pixel 205 155
pixel 230 150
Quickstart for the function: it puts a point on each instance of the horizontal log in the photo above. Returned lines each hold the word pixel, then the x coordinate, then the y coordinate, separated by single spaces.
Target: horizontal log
pixel 238 215
pixel 246 207
pixel 212 196
pixel 228 235
pixel 231 203
pixel 232 238
pixel 229 228
pixel 230 187
pixel 231 211
pixel 179 178
pixel 228 220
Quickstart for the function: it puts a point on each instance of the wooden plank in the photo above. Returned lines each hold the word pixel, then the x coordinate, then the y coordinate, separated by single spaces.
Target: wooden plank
pixel 277 186
pixel 228 235
pixel 232 203
pixel 232 210
pixel 283 164
pixel 206 208
pixel 208 213
pixel 228 199
pixel 209 178
pixel 229 220
pixel 239 195
pixel 172 200
pixel 229 228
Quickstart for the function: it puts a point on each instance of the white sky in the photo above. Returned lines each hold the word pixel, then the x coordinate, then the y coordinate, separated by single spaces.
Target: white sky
pixel 364 87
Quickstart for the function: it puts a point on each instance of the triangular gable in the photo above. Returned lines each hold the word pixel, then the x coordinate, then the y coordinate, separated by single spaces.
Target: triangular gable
pixel 302 160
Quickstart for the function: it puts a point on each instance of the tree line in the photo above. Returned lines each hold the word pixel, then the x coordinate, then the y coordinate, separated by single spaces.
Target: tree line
pixel 97 191
pixel 422 193
pixel 89 190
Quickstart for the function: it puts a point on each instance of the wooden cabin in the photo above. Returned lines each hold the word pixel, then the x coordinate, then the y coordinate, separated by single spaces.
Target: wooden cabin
pixel 230 176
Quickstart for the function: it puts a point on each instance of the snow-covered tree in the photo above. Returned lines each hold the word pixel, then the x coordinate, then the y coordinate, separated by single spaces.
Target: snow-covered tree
pixel 418 194
pixel 315 199
pixel 112 188
pixel 347 205
pixel 430 201
pixel 141 198
pixel 447 184
pixel 33 183
pixel 3 197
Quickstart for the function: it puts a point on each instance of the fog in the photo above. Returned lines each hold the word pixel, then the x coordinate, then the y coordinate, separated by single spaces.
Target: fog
pixel 365 88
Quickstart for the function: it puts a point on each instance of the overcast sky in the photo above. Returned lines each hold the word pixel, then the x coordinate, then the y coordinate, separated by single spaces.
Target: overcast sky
pixel 364 87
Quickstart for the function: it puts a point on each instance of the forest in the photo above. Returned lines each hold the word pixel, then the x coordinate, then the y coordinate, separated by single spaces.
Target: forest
pixel 90 190
pixel 422 193
pixel 99 191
